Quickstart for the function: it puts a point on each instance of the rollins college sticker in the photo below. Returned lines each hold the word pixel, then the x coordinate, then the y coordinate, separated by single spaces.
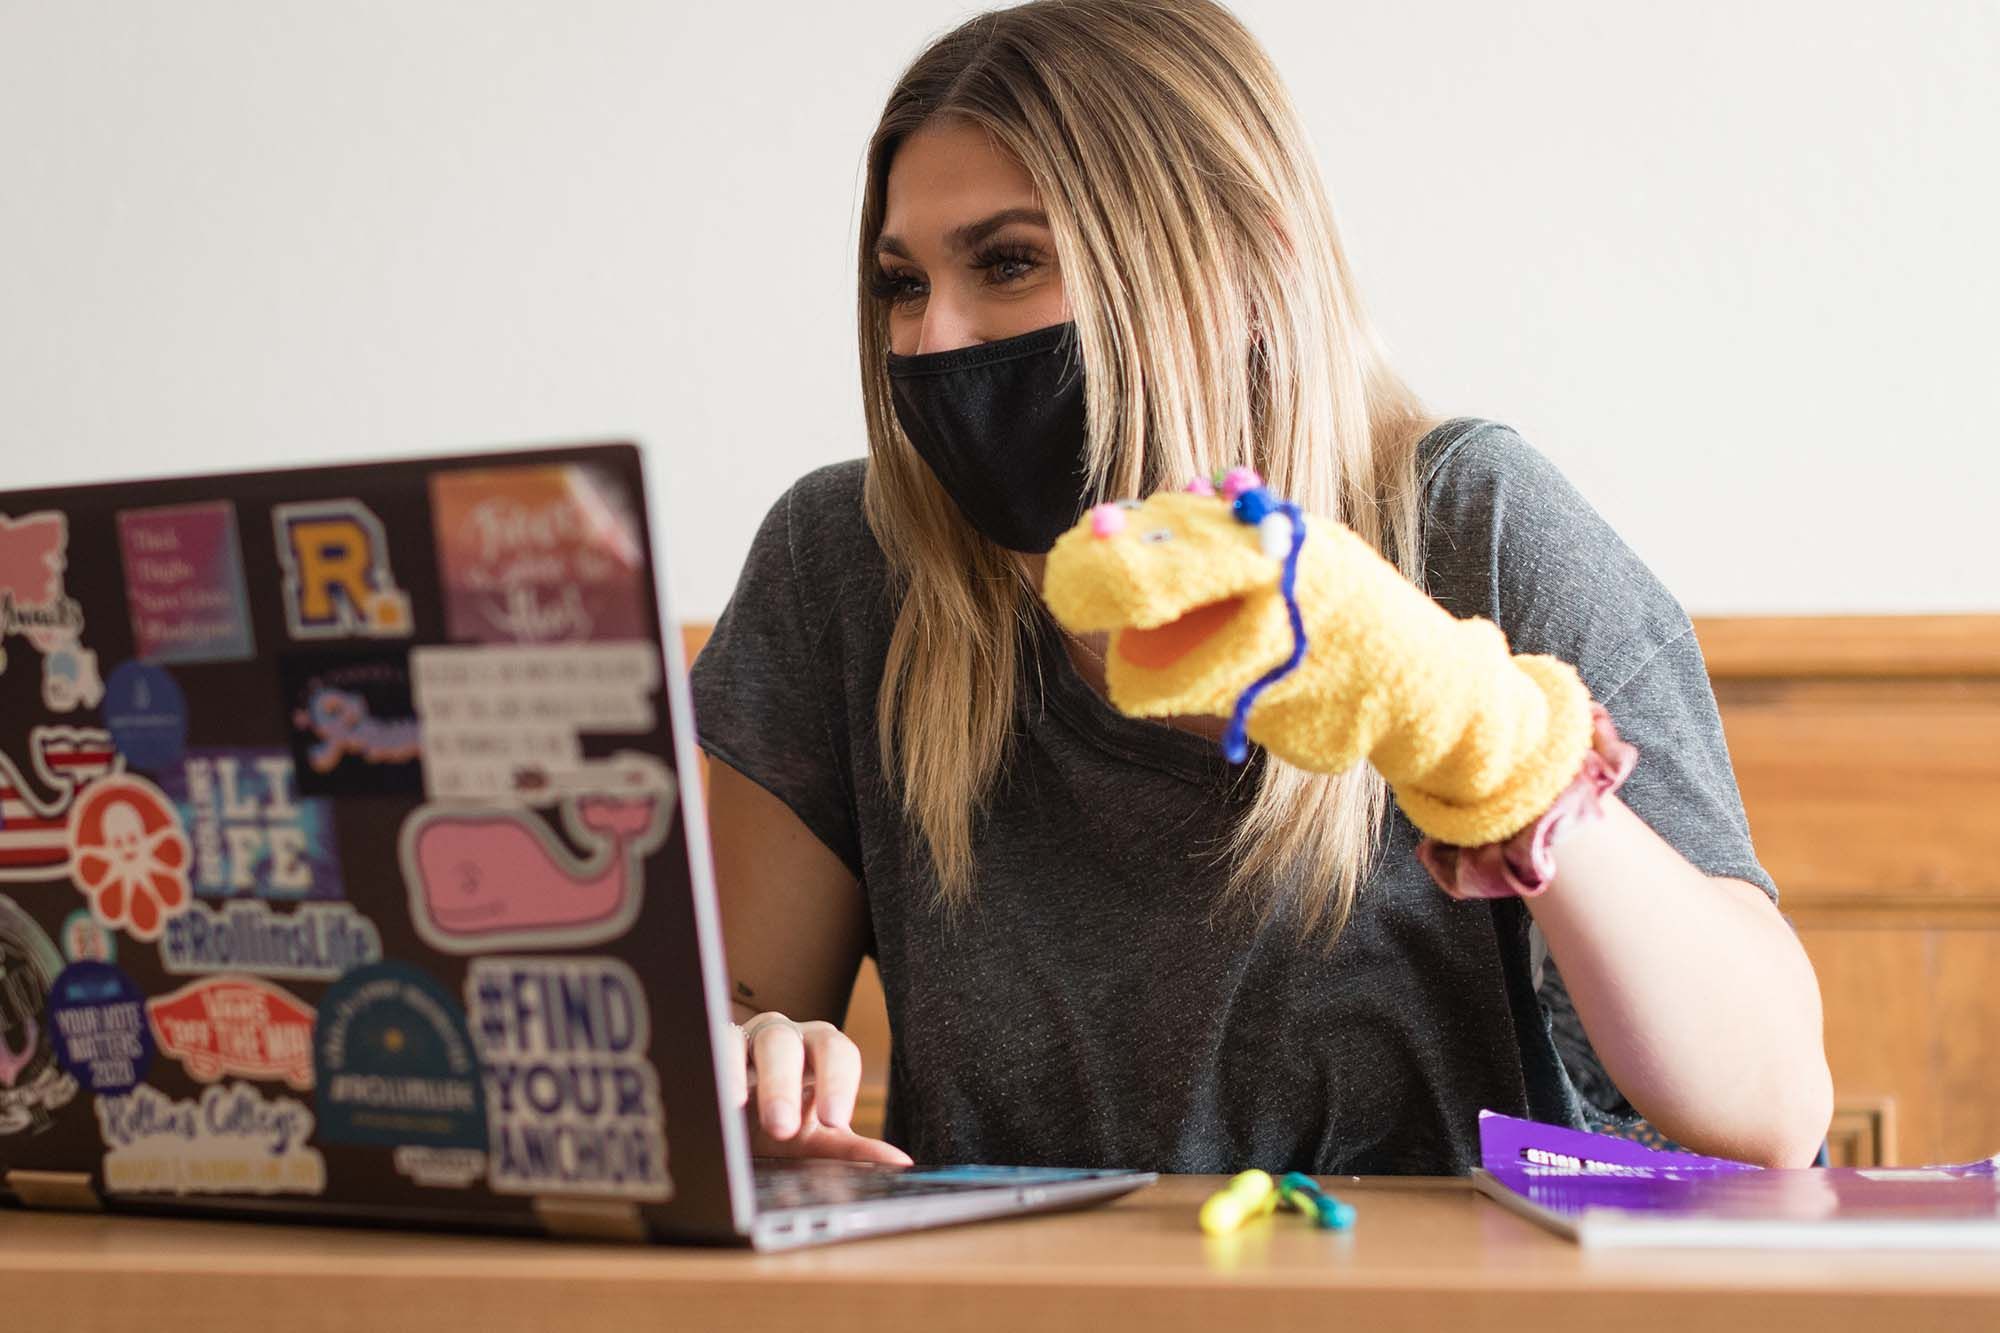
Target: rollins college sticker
pixel 230 1140
pixel 572 1102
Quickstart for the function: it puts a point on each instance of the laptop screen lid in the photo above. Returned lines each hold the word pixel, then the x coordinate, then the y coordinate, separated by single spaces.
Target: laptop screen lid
pixel 350 866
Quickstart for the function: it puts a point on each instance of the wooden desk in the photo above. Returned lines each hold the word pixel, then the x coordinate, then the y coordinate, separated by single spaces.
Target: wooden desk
pixel 1423 1255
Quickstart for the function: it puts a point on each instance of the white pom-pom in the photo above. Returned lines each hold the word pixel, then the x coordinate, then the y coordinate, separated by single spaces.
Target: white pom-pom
pixel 1275 531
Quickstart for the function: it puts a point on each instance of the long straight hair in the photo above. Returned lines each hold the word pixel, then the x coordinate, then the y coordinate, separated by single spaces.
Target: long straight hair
pixel 1218 323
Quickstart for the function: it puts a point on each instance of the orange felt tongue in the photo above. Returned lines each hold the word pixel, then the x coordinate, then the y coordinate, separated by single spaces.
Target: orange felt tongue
pixel 1164 645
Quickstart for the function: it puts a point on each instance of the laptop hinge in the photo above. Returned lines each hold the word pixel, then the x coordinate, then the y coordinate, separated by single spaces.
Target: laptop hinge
pixel 589 1219
pixel 55 1189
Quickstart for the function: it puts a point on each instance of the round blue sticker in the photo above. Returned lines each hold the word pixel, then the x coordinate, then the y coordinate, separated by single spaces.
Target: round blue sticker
pixel 146 715
pixel 393 1063
pixel 97 1020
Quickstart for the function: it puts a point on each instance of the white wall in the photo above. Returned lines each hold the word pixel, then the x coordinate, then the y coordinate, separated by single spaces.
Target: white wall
pixel 1732 265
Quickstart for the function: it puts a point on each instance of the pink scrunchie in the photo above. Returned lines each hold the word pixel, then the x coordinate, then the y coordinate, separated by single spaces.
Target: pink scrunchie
pixel 1523 865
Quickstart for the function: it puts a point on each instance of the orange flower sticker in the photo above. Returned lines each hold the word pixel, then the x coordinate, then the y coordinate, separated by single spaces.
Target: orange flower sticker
pixel 128 854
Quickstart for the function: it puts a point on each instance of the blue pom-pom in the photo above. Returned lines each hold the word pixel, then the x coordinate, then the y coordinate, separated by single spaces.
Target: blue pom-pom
pixel 1252 506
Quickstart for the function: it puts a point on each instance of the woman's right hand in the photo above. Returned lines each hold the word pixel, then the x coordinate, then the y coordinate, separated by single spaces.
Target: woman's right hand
pixel 807 1076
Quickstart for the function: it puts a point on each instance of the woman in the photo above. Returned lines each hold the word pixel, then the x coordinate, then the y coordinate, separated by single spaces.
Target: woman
pixel 1097 261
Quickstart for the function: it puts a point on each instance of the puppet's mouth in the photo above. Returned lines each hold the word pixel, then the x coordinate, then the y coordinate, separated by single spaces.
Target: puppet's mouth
pixel 1161 646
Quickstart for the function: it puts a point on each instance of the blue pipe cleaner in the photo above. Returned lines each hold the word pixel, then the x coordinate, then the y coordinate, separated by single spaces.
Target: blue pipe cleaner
pixel 1252 507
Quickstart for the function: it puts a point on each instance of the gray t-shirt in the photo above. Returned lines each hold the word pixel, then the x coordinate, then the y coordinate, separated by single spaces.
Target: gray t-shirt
pixel 1089 1009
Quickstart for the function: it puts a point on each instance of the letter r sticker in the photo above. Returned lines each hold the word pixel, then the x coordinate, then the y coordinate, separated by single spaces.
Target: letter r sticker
pixel 338 584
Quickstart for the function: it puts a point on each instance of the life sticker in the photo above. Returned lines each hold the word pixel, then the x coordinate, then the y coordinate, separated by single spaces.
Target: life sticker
pixel 37 609
pixel 237 1027
pixel 315 942
pixel 334 557
pixel 254 835
pixel 34 812
pixel 33 1085
pixel 572 1102
pixel 97 1018
pixel 505 724
pixel 147 716
pixel 538 555
pixel 481 880
pixel 129 855
pixel 230 1140
pixel 395 1066
pixel 353 727
pixel 184 583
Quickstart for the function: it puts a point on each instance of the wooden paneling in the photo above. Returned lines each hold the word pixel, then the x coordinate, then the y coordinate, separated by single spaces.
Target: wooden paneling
pixel 1868 753
pixel 1851 647
pixel 1965 1040
pixel 1880 998
pixel 1866 794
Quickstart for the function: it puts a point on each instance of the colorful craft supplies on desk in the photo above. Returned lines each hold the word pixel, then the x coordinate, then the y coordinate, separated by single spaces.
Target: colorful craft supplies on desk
pixel 1253 1194
pixel 1298 1190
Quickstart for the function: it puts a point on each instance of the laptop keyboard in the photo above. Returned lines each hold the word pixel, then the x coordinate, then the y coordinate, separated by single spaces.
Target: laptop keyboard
pixel 784 1182
pixel 819 1184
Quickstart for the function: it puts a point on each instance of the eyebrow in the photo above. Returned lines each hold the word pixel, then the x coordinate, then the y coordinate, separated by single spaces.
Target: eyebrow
pixel 961 239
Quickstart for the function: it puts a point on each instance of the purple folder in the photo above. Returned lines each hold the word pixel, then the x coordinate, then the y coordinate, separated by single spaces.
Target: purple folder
pixel 1604 1191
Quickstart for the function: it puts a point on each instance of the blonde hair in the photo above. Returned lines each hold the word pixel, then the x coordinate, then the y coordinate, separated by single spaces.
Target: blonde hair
pixel 1218 323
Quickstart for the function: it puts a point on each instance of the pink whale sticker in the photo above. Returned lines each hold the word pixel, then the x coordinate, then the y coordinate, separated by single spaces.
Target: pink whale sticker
pixel 486 879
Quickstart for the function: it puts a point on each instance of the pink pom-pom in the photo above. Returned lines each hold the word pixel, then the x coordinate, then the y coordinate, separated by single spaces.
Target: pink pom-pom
pixel 1238 480
pixel 1201 486
pixel 1107 521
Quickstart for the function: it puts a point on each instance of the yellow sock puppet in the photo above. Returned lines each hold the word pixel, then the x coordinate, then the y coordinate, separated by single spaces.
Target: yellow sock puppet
pixel 1227 601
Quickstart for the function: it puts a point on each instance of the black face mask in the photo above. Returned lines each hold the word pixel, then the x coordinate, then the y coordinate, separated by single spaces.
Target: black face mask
pixel 1001 424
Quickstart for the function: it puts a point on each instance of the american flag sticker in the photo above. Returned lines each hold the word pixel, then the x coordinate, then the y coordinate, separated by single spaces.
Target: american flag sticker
pixel 34 811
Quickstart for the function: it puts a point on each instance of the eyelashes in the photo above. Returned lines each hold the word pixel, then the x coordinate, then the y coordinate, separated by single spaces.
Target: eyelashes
pixel 903 287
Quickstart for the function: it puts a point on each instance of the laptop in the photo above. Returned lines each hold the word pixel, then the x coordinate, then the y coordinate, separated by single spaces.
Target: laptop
pixel 353 868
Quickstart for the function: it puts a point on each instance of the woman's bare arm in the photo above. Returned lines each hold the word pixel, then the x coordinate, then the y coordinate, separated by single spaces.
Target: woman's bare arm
pixel 793 925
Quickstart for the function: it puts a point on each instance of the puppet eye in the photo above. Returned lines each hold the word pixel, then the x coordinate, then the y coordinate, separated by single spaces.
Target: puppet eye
pixel 1158 535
